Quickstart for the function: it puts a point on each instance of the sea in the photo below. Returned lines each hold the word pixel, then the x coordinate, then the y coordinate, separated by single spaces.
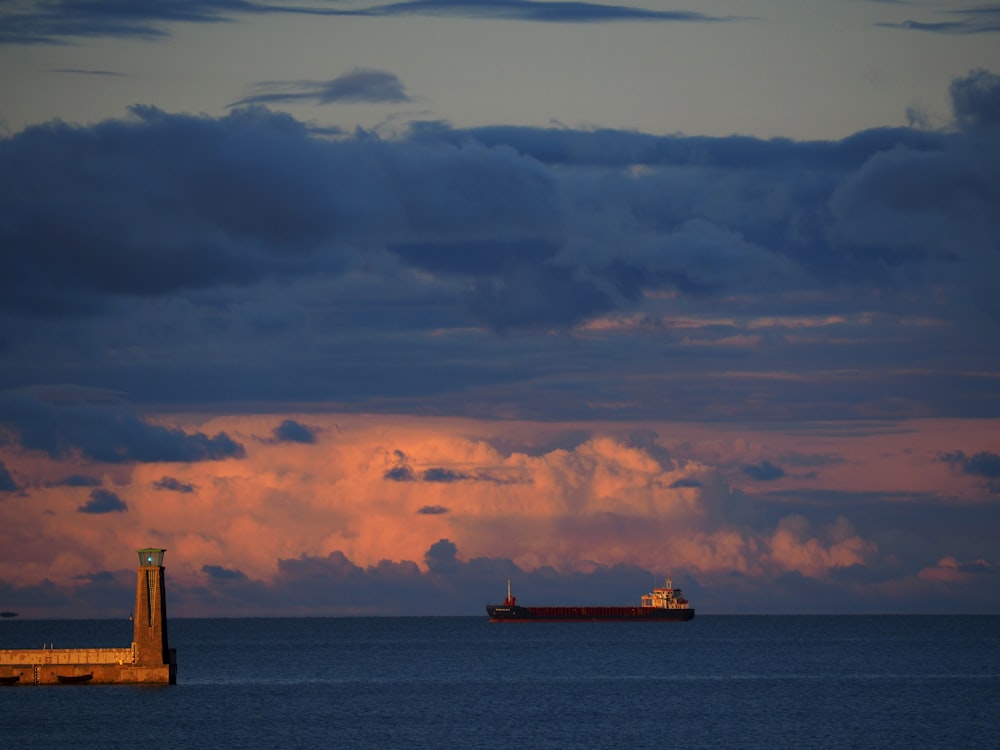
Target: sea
pixel 462 682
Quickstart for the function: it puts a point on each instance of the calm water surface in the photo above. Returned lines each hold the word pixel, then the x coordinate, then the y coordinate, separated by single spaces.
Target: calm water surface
pixel 458 682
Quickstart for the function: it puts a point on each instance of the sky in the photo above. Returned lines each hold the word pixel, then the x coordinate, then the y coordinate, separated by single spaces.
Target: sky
pixel 364 308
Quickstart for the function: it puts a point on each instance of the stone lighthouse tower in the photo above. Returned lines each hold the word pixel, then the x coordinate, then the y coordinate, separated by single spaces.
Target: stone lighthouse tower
pixel 150 618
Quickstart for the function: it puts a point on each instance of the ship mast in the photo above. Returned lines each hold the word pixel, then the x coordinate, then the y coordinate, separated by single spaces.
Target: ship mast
pixel 510 601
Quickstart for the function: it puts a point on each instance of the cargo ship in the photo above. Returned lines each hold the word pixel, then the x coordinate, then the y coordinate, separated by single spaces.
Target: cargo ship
pixel 666 604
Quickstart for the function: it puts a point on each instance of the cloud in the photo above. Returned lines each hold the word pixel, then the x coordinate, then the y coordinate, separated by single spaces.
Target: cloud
pixel 50 22
pixel 403 472
pixel 981 20
pixel 290 431
pixel 53 22
pixel 811 460
pixel 359 85
pixel 587 514
pixel 506 271
pixel 685 482
pixel 100 594
pixel 984 464
pixel 334 584
pixel 219 573
pixel 445 475
pixel 532 10
pixel 103 501
pixel 400 471
pixel 439 474
pixel 173 485
pixel 7 483
pixel 75 480
pixel 101 576
pixel 108 434
pixel 976 98
pixel 765 471
pixel 950 571
pixel 442 557
pixel 399 474
pixel 81 71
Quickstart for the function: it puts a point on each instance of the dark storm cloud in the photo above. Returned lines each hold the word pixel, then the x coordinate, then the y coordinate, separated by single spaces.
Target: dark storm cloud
pixel 178 248
pixel 812 460
pixel 476 256
pixel 102 576
pixel 399 474
pixel 970 20
pixel 615 148
pixel 435 474
pixel 506 270
pixel 357 86
pixel 531 10
pixel 82 71
pixel 107 434
pixel 7 483
pixel 515 288
pixel 765 471
pixel 439 474
pixel 984 464
pixel 236 201
pixel 976 99
pixel 447 475
pixel 334 585
pixel 442 557
pixel 50 21
pixel 99 594
pixel 685 482
pixel 274 197
pixel 172 484
pixel 403 472
pixel 75 480
pixel 54 21
pixel 219 573
pixel 537 297
pixel 103 501
pixel 290 431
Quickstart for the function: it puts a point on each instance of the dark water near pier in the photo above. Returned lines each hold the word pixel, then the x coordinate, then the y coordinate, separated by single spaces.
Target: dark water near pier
pixel 458 682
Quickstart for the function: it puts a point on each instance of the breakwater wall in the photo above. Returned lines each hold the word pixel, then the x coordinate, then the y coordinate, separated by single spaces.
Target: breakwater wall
pixel 54 666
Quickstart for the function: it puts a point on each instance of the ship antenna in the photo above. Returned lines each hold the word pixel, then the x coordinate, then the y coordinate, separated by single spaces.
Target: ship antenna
pixel 508 588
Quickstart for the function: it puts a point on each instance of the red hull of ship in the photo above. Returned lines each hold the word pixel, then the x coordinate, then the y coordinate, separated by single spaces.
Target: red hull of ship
pixel 587 614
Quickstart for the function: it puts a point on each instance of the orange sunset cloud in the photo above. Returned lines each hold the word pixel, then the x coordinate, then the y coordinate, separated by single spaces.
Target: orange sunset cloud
pixel 688 498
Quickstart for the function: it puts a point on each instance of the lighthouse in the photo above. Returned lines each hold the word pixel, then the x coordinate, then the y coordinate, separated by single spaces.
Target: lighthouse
pixel 149 627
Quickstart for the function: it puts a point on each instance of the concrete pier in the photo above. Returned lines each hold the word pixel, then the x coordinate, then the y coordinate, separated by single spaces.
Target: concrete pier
pixel 149 660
